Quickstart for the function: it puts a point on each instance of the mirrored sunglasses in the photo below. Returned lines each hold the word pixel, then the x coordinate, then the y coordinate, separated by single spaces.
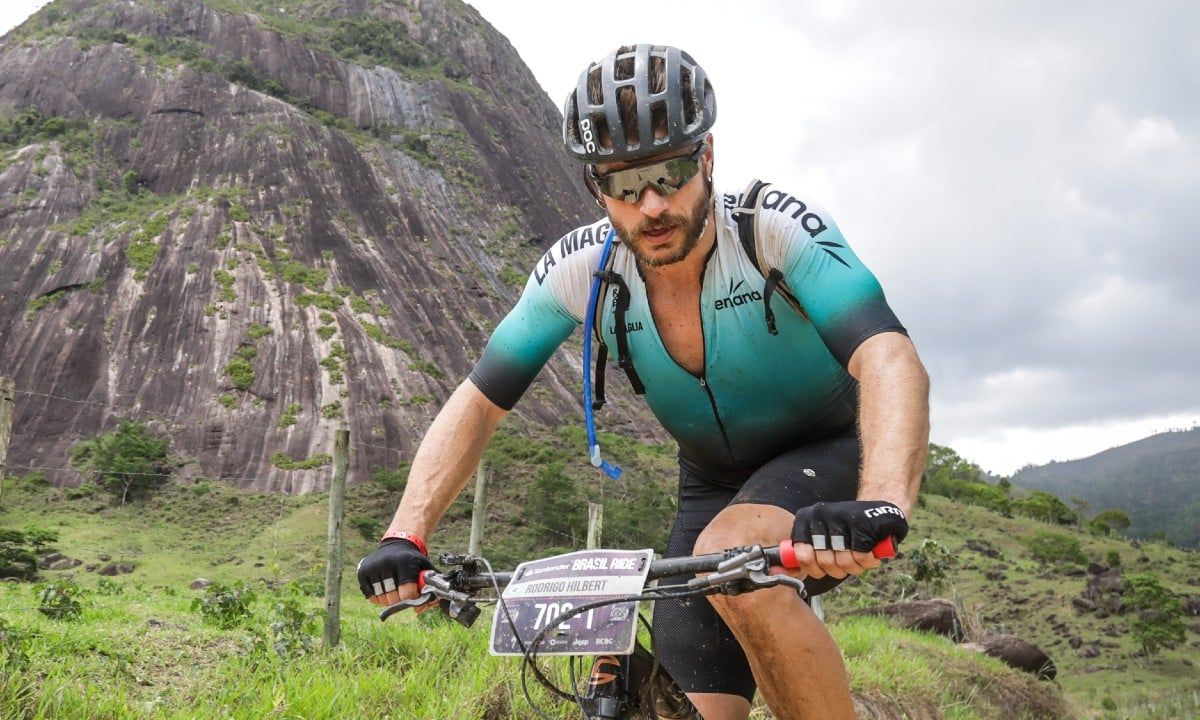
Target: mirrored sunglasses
pixel 664 177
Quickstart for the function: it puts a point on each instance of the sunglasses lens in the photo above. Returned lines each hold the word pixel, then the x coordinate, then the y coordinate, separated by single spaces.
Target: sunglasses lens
pixel 665 177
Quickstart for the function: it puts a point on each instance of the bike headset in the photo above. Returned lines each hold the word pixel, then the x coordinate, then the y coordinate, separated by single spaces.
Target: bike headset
pixel 672 106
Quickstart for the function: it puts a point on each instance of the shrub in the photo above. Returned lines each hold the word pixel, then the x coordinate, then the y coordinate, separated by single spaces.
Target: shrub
pixel 1159 622
pixel 225 606
pixel 127 460
pixel 332 410
pixel 17 558
pixel 1049 547
pixel 59 600
pixel 131 182
pixel 241 372
pixel 931 560
pixel 107 586
pixel 556 507
pixel 368 527
pixel 14 647
pixel 1110 521
pixel 382 41
pixel 292 627
pixel 284 461
pixel 1046 507
pixel 1113 558
pixel 393 479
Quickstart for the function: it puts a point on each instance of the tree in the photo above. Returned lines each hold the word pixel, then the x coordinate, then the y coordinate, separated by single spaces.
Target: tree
pixel 1050 547
pixel 1046 507
pixel 557 510
pixel 1112 520
pixel 130 459
pixel 1159 622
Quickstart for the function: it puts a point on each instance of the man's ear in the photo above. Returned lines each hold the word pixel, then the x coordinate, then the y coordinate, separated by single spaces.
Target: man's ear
pixel 591 187
pixel 708 155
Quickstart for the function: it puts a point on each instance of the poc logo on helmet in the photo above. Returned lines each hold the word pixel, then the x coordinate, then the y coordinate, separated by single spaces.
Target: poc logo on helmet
pixel 589 138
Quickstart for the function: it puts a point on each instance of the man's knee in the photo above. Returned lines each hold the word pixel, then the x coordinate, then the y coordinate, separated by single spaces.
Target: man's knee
pixel 744 524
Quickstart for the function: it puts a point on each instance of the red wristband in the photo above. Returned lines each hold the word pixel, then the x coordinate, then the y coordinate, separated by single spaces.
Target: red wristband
pixel 411 537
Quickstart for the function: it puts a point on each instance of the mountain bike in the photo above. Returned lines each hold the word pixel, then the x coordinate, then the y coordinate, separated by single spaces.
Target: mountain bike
pixel 584 603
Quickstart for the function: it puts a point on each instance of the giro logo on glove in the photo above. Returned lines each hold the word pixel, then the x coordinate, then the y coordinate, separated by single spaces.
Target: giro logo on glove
pixel 395 562
pixel 851 525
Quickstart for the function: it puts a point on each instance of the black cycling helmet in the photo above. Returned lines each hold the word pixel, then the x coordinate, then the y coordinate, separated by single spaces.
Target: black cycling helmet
pixel 683 105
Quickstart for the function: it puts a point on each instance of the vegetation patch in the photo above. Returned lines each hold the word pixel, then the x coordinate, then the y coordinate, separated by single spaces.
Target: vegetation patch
pixel 377 334
pixel 288 417
pixel 36 304
pixel 299 273
pixel 283 461
pixel 29 126
pixel 225 283
pixel 143 247
pixel 325 301
pixel 240 372
pixel 130 459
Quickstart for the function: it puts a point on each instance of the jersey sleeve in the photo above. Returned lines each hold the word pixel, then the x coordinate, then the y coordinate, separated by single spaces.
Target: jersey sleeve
pixel 552 304
pixel 840 295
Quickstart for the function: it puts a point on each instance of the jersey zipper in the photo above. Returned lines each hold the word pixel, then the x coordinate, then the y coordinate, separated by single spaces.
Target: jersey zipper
pixel 712 401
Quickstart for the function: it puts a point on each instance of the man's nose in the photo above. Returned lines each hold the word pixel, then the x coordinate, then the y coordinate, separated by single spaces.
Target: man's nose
pixel 651 204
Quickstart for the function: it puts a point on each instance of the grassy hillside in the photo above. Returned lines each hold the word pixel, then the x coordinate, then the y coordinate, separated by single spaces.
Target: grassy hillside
pixel 1155 480
pixel 140 649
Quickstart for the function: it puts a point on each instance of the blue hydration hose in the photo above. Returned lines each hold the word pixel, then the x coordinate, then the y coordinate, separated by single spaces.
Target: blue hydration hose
pixel 589 415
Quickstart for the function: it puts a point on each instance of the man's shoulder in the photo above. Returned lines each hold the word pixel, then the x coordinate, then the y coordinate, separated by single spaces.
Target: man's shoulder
pixel 578 251
pixel 782 211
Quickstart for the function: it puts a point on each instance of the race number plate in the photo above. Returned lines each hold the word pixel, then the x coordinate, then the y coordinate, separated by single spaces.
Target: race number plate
pixel 544 589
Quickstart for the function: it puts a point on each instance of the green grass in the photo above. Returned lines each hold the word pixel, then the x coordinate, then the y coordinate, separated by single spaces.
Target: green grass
pixel 189 669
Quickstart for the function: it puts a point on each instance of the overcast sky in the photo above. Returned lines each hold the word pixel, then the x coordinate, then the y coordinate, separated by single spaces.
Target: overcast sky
pixel 1023 177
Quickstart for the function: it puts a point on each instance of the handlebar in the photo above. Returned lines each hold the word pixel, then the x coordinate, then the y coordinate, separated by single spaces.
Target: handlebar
pixel 454 588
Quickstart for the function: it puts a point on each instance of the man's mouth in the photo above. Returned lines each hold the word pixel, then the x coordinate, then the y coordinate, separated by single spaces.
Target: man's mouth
pixel 657 236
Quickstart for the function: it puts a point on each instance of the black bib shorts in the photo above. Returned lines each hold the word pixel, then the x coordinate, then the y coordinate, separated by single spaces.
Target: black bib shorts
pixel 699 650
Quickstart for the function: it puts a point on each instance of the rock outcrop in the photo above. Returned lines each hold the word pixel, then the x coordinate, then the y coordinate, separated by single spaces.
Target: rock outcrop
pixel 252 229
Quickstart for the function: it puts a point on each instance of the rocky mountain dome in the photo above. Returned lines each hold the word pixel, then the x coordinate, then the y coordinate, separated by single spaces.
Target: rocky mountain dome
pixel 253 222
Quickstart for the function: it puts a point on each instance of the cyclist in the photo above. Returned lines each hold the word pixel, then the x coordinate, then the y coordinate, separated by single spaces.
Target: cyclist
pixel 809 423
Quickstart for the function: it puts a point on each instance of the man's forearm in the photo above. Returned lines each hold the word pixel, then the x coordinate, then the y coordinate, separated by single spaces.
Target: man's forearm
pixel 446 459
pixel 893 419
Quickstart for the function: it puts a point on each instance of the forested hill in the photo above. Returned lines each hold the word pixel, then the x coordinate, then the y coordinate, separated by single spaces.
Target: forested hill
pixel 1155 480
pixel 250 222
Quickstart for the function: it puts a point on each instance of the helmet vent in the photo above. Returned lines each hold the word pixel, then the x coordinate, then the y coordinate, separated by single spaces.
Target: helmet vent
pixel 689 97
pixel 624 68
pixel 658 114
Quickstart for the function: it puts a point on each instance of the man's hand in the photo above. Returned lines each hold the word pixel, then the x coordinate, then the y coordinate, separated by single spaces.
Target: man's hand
pixel 389 574
pixel 836 538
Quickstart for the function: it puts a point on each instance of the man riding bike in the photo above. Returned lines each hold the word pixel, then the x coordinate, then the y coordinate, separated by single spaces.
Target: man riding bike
pixel 810 422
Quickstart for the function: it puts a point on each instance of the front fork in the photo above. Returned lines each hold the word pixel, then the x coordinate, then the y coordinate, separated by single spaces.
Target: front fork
pixel 626 687
pixel 607 696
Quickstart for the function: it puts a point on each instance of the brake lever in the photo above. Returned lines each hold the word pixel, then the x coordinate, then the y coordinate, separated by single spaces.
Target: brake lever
pixel 748 570
pixel 427 595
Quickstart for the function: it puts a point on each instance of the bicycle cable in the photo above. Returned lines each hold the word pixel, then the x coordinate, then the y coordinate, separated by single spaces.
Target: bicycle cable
pixel 525 658
pixel 659 593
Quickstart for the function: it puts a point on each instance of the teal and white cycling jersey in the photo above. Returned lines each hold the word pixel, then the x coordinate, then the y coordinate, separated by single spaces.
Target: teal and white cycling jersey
pixel 759 394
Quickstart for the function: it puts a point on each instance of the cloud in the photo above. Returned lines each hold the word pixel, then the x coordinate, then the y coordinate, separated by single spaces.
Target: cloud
pixel 1021 176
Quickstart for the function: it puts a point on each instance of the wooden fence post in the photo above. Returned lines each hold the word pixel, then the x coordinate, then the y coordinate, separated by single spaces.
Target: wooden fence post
pixel 595 525
pixel 333 567
pixel 6 413
pixel 478 511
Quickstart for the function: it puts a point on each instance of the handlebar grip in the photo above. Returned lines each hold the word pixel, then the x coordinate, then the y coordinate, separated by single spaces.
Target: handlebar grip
pixel 421 580
pixel 884 549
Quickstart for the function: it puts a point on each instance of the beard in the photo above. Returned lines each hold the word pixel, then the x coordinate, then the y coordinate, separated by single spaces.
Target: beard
pixel 692 226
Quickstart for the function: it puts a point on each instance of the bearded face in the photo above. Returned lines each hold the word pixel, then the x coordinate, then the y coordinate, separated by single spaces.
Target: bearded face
pixel 669 237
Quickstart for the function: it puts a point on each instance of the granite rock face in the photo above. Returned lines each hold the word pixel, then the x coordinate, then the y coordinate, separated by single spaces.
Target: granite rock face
pixel 251 235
